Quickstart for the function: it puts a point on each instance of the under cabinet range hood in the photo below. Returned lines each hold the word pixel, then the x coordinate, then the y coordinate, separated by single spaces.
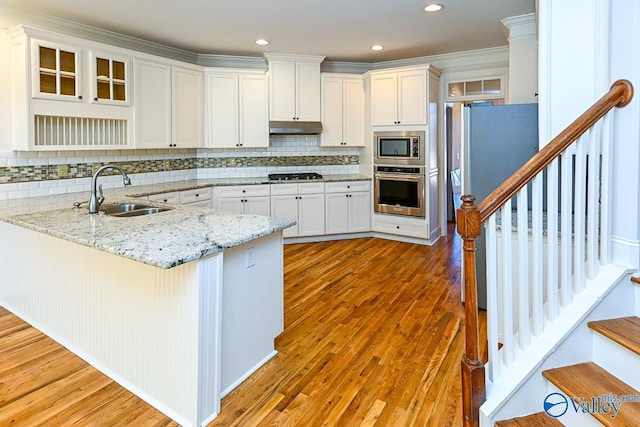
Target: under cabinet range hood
pixel 294 128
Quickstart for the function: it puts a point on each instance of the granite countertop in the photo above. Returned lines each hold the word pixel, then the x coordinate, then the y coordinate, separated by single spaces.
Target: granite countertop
pixel 164 239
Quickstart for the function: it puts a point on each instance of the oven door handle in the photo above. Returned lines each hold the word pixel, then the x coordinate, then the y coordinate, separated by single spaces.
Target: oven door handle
pixel 399 177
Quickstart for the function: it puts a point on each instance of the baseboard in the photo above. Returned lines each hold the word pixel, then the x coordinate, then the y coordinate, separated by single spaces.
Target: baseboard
pixel 398 238
pixel 325 238
pixel 247 374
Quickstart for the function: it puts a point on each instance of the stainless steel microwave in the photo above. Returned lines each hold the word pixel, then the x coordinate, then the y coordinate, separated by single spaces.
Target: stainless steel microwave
pixel 399 148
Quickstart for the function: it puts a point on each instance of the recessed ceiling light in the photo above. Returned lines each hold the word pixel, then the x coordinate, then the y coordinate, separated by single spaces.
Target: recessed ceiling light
pixel 377 47
pixel 433 7
pixel 262 42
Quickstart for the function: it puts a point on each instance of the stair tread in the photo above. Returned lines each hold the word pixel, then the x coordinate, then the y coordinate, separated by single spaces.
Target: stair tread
pixel 589 380
pixel 539 419
pixel 624 330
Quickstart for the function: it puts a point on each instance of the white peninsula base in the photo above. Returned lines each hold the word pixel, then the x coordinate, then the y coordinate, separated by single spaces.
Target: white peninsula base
pixel 174 337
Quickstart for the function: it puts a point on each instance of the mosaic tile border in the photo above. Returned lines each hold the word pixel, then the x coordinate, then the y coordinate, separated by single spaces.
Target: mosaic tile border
pixel 16 174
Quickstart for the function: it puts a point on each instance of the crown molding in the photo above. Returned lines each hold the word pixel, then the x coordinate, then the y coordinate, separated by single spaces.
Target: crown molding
pixel 11 16
pixel 519 27
pixel 232 61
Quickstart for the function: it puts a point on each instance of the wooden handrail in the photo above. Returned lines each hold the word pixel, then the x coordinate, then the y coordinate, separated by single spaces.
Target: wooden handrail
pixel 619 95
pixel 469 224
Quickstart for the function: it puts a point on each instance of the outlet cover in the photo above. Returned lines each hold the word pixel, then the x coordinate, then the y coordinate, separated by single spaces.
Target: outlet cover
pixel 63 171
pixel 250 257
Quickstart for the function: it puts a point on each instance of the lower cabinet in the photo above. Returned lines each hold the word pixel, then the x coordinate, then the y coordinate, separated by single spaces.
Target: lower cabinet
pixel 348 207
pixel 303 203
pixel 244 199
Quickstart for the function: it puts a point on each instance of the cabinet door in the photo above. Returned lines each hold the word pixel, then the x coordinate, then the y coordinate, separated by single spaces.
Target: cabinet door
pixel 222 120
pixel 258 206
pixel 286 207
pixel 384 99
pixel 307 91
pixel 254 111
pixel 311 215
pixel 109 78
pixel 360 212
pixel 337 213
pixel 412 105
pixel 353 133
pixel 234 205
pixel 331 112
pixel 282 75
pixel 152 104
pixel 56 71
pixel 188 107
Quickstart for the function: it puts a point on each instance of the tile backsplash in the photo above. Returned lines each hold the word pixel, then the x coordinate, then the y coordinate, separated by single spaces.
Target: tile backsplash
pixel 31 174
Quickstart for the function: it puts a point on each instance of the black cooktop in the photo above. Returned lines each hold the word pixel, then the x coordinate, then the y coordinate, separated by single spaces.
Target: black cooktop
pixel 294 176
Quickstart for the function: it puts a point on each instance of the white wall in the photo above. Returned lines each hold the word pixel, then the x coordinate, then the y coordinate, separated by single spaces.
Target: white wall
pixel 5 92
pixel 585 45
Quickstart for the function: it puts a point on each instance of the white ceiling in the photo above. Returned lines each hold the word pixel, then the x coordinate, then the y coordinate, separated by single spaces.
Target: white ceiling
pixel 342 30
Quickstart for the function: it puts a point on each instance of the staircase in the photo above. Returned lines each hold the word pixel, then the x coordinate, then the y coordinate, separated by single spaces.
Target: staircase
pixel 552 287
pixel 612 373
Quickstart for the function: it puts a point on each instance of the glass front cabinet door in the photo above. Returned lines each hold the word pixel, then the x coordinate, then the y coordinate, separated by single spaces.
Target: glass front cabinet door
pixel 56 71
pixel 109 79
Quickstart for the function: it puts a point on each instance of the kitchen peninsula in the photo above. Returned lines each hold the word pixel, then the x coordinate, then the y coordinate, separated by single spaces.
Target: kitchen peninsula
pixel 179 306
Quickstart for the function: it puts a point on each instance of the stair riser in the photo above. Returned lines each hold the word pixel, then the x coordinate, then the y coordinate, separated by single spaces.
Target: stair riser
pixel 571 418
pixel 618 360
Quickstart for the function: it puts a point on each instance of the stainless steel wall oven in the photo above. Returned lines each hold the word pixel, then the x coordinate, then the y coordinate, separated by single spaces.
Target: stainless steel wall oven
pixel 399 190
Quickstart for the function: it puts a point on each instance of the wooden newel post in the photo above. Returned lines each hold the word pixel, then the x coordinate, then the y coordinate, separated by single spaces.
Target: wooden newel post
pixel 473 379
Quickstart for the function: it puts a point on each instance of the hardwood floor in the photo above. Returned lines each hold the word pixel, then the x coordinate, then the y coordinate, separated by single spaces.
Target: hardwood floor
pixel 373 336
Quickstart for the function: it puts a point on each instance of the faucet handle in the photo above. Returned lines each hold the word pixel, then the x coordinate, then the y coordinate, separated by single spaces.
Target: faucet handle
pixel 101 198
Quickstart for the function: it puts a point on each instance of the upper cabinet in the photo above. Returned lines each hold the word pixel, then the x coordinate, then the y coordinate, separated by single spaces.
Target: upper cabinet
pixel 400 97
pixel 56 71
pixel 237 108
pixel 110 78
pixel 342 110
pixel 294 87
pixel 69 94
pixel 169 105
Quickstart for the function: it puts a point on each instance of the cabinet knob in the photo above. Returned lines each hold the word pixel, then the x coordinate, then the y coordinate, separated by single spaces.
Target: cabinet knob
pixel 244 191
pixel 95 99
pixel 197 195
pixel 165 200
pixel 79 96
pixel 398 227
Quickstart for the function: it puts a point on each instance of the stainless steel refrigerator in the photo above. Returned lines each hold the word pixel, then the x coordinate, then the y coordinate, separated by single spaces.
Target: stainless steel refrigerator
pixel 497 140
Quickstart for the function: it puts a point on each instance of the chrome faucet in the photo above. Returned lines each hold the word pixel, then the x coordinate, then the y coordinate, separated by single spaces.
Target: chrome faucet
pixel 96 201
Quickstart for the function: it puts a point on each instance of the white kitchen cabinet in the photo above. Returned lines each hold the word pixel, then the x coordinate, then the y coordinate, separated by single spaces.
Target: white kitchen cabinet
pixel 187 89
pixel 342 110
pixel 110 78
pixel 237 109
pixel 400 97
pixel 169 104
pixel 303 203
pixel 64 97
pixel 244 199
pixel 294 87
pixel 196 197
pixel 348 207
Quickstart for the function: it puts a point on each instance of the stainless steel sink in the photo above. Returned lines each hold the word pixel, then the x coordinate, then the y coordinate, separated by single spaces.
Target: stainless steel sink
pixel 128 209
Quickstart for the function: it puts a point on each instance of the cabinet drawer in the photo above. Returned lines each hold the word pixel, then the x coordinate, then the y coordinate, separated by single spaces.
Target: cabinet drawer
pixel 347 186
pixel 284 189
pixel 173 197
pixel 311 188
pixel 195 195
pixel 244 190
pixel 401 226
